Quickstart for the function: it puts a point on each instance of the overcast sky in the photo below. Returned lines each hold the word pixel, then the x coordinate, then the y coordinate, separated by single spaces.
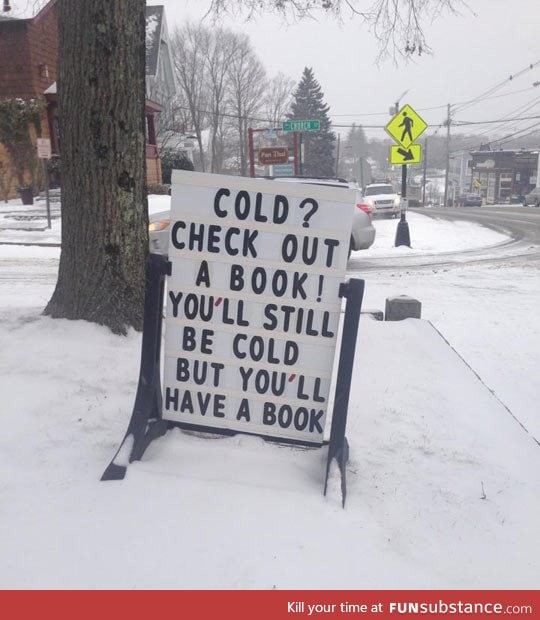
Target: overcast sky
pixel 472 53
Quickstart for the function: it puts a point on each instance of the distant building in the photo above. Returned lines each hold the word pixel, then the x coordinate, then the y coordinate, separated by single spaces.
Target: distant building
pixel 500 175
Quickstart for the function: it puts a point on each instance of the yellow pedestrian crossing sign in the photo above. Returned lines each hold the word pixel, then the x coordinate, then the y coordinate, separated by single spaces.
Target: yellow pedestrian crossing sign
pixel 406 126
pixel 401 155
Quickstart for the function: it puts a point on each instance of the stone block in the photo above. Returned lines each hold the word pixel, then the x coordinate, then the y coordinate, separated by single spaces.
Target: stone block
pixel 402 307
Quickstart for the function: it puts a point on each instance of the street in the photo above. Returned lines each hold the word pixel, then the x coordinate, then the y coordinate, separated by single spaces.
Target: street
pixel 522 222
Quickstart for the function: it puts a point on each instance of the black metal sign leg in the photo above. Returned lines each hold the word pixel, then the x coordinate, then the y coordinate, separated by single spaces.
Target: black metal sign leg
pixel 146 421
pixel 338 448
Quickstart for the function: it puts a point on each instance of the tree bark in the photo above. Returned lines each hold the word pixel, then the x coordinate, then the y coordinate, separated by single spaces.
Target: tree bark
pixel 101 94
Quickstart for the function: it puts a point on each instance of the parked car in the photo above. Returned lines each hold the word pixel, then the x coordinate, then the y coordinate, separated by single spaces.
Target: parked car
pixel 517 199
pixel 362 233
pixel 532 199
pixel 469 200
pixel 383 199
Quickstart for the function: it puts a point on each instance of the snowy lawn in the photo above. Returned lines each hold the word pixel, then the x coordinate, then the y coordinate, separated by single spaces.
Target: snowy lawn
pixel 443 484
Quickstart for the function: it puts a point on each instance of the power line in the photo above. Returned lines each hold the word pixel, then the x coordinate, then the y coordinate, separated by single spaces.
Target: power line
pixel 523 108
pixel 516 134
pixel 484 96
pixel 503 139
pixel 490 91
pixel 438 107
pixel 351 125
pixel 505 120
pixel 490 130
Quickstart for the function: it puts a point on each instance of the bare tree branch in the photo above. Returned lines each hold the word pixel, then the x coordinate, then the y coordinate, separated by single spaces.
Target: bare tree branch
pixel 399 26
pixel 278 98
pixel 247 86
pixel 190 45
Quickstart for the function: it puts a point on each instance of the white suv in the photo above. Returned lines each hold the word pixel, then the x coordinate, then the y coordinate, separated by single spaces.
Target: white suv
pixel 383 199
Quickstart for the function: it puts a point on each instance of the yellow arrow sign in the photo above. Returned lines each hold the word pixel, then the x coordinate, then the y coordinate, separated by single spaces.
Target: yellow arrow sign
pixel 406 126
pixel 400 155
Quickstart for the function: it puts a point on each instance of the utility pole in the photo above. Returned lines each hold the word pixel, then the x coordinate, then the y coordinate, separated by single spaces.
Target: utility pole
pixel 295 137
pixel 445 203
pixel 251 153
pixel 396 109
pixel 424 175
pixel 538 170
pixel 300 153
pixel 404 185
pixel 404 166
pixel 337 155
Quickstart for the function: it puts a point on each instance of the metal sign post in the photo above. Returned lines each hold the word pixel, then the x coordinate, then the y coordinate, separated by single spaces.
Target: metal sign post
pixel 405 127
pixel 44 153
pixel 338 448
pixel 146 421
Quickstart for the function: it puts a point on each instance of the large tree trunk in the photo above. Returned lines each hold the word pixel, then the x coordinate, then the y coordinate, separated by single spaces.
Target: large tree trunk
pixel 101 94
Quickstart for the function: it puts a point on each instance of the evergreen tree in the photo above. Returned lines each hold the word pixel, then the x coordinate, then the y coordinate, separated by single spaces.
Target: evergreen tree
pixel 308 104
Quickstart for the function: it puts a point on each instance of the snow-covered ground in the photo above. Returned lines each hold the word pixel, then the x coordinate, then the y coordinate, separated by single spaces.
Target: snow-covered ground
pixel 443 484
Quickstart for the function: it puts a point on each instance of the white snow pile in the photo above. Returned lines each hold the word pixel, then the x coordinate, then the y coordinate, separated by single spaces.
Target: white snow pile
pixel 443 485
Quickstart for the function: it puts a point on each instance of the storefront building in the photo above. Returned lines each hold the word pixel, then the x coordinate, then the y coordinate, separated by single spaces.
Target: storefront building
pixel 503 176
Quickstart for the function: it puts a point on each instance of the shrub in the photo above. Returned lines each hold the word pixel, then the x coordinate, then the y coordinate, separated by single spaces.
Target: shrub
pixel 16 117
pixel 172 159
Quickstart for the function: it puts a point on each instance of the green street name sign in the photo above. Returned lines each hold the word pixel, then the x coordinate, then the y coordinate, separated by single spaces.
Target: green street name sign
pixel 300 125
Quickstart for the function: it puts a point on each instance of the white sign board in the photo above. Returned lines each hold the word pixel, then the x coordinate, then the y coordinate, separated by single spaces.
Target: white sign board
pixel 44 148
pixel 253 303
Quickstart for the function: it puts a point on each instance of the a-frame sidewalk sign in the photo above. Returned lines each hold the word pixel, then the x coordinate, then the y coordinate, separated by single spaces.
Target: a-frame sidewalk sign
pixel 298 361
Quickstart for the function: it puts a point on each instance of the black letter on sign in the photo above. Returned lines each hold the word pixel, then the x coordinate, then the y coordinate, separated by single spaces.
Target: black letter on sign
pixel 314 208
pixel 242 210
pixel 177 244
pixel 175 299
pixel 237 281
pixel 203 276
pixel 331 244
pixel 243 410
pixel 280 202
pixel 217 210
